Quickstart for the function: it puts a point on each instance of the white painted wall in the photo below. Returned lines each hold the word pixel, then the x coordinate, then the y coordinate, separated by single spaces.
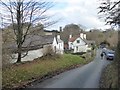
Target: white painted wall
pixel 72 45
pixel 82 35
pixel 78 44
pixel 78 47
pixel 85 36
pixel 58 36
pixel 33 54
pixel 58 46
pixel 54 44
pixel 70 36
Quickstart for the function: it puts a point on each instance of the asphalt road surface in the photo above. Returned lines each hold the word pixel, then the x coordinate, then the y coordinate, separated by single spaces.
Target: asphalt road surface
pixel 87 76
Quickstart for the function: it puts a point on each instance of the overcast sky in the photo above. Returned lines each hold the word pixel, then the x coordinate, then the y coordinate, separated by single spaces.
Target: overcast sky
pixel 82 12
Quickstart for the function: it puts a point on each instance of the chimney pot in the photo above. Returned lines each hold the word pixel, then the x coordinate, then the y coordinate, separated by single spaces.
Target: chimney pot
pixel 70 36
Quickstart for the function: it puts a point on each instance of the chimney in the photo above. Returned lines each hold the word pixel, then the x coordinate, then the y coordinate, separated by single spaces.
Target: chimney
pixel 58 36
pixel 82 35
pixel 70 36
pixel 60 29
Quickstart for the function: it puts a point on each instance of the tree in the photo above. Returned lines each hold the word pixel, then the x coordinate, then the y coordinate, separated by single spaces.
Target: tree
pixel 70 29
pixel 105 42
pixel 111 8
pixel 19 12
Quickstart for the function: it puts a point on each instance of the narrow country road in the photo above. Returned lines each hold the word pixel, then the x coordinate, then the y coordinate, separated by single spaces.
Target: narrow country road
pixel 87 76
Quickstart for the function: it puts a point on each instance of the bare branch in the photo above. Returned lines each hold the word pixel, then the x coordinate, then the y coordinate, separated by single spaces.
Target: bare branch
pixel 115 5
pixel 21 12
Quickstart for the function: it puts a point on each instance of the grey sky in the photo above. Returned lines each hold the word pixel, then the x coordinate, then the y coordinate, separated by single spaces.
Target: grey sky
pixel 79 12
pixel 82 12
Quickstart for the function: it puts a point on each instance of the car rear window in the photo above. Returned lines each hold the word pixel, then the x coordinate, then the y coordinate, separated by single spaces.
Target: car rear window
pixel 111 52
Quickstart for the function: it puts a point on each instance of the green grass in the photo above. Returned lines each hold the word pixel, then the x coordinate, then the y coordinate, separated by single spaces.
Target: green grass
pixel 17 74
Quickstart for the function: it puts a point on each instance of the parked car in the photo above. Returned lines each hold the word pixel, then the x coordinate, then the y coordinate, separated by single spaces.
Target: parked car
pixel 110 55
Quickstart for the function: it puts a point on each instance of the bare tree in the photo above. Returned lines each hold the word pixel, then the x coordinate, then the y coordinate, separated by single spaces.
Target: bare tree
pixel 19 12
pixel 70 29
pixel 111 8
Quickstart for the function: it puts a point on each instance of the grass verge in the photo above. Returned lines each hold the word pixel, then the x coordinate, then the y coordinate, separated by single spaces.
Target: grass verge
pixel 20 74
pixel 109 78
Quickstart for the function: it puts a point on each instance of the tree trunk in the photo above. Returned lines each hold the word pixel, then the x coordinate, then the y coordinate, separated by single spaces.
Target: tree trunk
pixel 19 53
pixel 19 58
pixel 19 29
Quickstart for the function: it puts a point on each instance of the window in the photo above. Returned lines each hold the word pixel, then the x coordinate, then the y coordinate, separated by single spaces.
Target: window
pixel 76 48
pixel 78 41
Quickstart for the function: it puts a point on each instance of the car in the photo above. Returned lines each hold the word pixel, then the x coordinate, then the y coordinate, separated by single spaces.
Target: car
pixel 110 55
pixel 102 46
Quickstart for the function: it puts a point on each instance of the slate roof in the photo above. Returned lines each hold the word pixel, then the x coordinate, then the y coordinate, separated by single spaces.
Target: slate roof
pixel 52 31
pixel 38 40
pixel 59 40
pixel 32 42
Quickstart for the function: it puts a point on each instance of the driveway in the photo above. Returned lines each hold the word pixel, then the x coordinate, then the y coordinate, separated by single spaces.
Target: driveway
pixel 87 76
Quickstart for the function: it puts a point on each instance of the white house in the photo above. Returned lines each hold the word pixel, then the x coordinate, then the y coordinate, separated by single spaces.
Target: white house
pixel 58 45
pixel 78 43
pixel 36 46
